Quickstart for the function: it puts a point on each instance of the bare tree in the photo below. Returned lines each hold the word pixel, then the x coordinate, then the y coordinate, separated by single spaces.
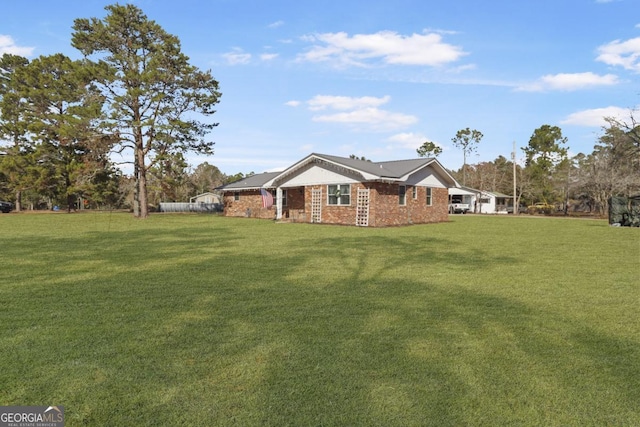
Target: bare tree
pixel 613 169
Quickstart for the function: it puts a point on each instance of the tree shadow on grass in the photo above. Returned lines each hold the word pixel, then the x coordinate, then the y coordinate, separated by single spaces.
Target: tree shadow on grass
pixel 360 261
pixel 50 260
pixel 340 330
pixel 369 348
pixel 454 358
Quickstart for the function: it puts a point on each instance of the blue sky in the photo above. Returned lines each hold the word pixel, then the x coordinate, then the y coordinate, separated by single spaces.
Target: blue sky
pixel 378 78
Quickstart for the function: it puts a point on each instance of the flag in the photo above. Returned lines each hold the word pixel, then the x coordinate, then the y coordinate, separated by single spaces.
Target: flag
pixel 267 198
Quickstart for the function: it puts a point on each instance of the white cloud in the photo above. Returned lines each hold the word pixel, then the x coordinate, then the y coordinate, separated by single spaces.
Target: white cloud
pixel 292 103
pixel 236 57
pixel 386 46
pixel 464 67
pixel 376 118
pixel 357 111
pixel 276 24
pixel 322 102
pixel 625 54
pixel 569 82
pixel 595 117
pixel 268 56
pixel 8 45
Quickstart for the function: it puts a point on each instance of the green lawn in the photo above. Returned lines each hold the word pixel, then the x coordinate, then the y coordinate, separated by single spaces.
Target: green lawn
pixel 198 320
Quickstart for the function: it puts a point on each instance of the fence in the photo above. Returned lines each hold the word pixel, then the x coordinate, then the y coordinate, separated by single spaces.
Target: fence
pixel 190 207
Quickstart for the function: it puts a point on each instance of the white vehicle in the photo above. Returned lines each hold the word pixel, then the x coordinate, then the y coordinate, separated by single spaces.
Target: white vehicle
pixel 456 205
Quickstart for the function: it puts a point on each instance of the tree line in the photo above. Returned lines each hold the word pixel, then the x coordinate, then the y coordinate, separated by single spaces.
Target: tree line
pixel 134 93
pixel 583 182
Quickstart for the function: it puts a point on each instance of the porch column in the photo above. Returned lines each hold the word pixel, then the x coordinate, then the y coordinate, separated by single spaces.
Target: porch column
pixel 278 203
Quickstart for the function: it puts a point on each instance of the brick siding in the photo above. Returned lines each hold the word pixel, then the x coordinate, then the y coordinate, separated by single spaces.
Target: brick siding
pixel 385 210
pixel 384 207
pixel 248 205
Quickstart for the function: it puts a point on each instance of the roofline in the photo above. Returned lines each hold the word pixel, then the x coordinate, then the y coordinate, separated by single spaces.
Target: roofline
pixel 202 194
pixel 475 190
pixel 363 174
pixel 368 176
pixel 308 159
pixel 265 184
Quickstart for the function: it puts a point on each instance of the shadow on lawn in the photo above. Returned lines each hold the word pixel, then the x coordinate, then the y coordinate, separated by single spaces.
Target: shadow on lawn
pixel 375 350
pixel 456 358
pixel 340 330
pixel 101 254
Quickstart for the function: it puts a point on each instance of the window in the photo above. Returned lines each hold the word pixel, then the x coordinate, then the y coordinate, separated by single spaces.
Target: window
pixel 236 196
pixel 429 197
pixel 415 192
pixel 402 195
pixel 339 194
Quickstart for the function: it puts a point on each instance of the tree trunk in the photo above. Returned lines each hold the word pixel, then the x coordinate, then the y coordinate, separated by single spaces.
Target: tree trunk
pixel 142 186
pixel 144 208
pixel 464 168
pixel 18 200
pixel 136 188
pixel 69 202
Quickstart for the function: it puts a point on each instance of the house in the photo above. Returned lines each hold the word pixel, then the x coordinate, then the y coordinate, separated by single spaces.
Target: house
pixel 207 197
pixel 336 190
pixel 488 202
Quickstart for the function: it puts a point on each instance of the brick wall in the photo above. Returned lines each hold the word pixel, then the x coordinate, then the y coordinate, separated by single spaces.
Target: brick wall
pixel 248 205
pixel 384 209
pixel 295 198
pixel 332 214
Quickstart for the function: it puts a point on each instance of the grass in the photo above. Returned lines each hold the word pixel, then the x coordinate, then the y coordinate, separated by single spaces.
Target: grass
pixel 199 320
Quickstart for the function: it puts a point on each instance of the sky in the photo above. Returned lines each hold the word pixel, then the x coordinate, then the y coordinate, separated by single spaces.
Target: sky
pixel 379 78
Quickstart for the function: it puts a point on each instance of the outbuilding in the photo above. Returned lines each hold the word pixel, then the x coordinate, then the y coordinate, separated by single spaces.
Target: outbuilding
pixel 479 201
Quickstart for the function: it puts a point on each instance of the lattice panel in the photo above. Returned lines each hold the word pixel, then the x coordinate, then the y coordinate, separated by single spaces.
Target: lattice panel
pixel 362 207
pixel 316 205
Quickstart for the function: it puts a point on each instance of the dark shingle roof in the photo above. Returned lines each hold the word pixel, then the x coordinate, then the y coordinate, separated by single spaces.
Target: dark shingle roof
pixel 390 169
pixel 402 167
pixel 250 182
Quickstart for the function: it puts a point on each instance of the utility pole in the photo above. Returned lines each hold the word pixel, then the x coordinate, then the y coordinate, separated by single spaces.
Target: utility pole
pixel 516 208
